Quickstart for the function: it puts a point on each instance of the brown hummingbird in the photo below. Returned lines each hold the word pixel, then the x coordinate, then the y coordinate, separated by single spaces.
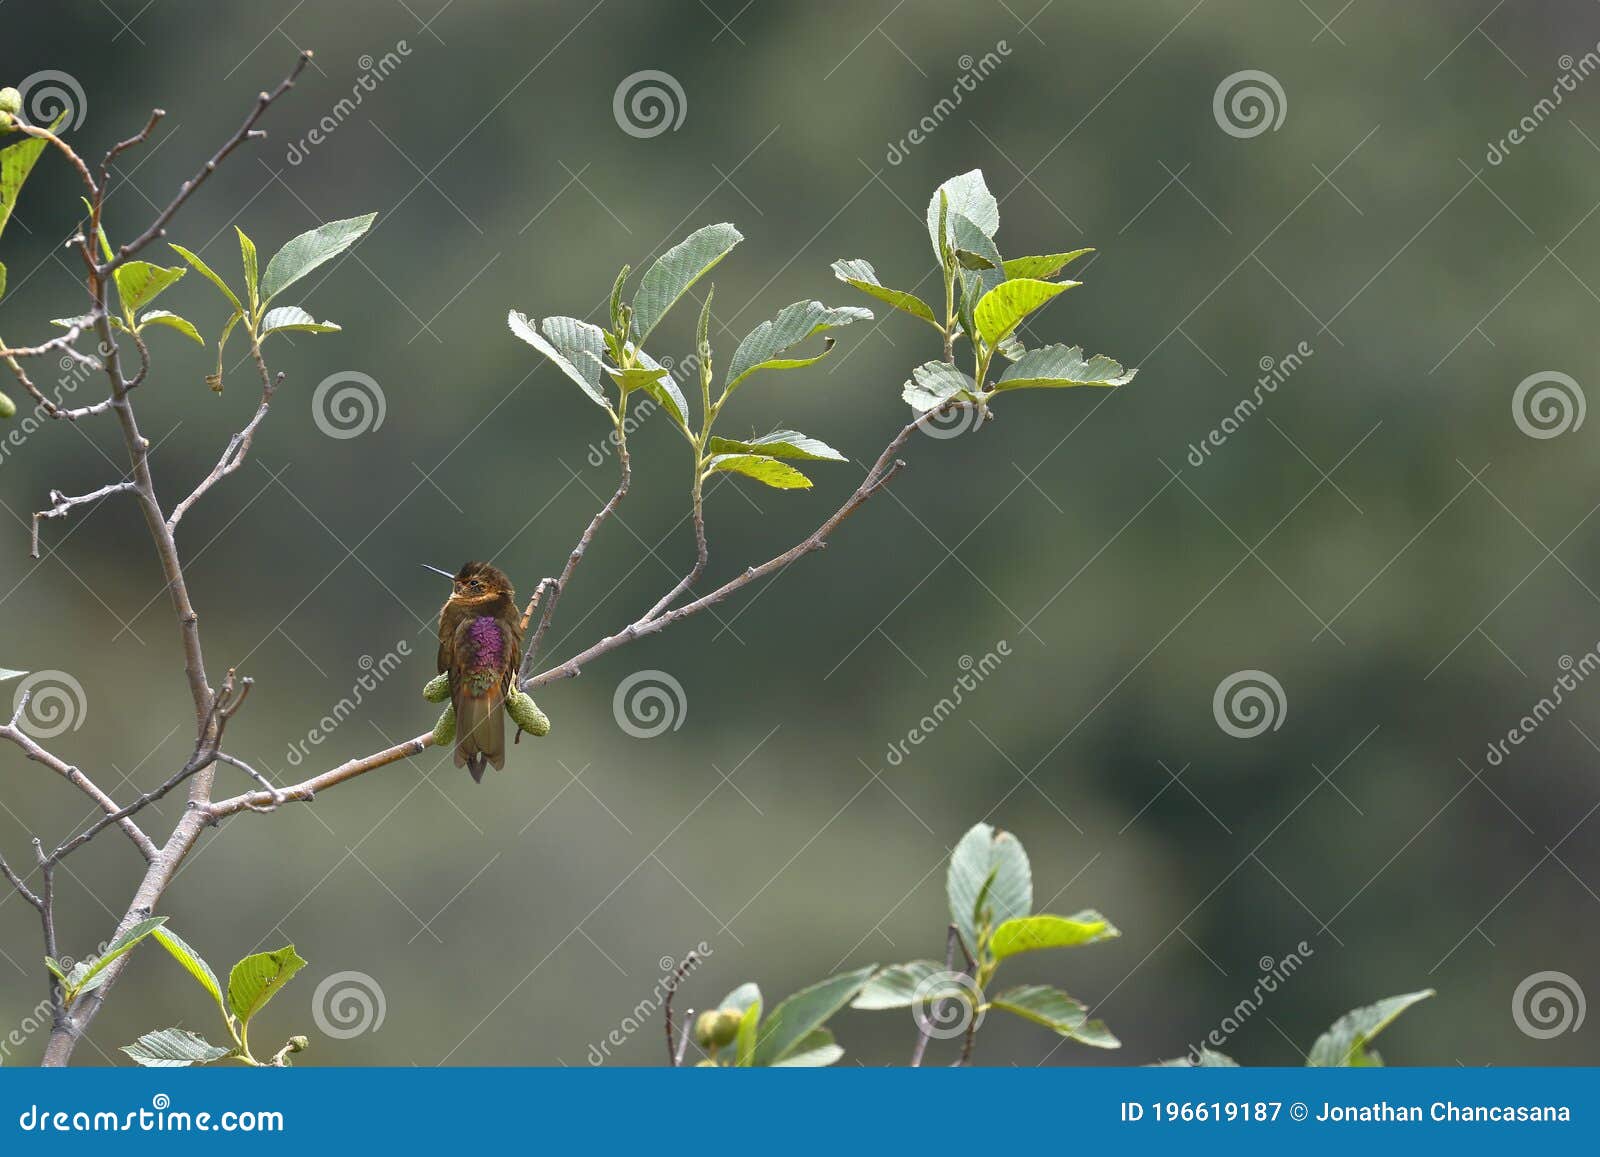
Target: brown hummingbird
pixel 480 648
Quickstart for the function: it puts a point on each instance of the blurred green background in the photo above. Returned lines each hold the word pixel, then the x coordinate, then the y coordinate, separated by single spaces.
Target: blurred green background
pixel 1381 537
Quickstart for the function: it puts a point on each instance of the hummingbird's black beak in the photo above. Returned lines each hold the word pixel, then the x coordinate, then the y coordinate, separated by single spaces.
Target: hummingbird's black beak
pixel 436 570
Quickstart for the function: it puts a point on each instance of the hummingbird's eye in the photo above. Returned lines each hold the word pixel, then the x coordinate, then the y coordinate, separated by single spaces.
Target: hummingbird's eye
pixel 476 585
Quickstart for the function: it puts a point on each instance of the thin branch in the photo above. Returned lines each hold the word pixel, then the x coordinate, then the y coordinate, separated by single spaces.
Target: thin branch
pixel 246 131
pixel 924 1033
pixel 530 656
pixel 882 472
pixel 62 343
pixel 702 556
pixel 546 585
pixel 267 784
pixel 678 974
pixel 49 408
pixel 307 790
pixel 238 445
pixel 62 503
pixel 21 886
pixel 121 147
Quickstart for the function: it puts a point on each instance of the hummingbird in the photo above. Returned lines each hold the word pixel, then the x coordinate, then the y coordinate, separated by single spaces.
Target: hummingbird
pixel 480 648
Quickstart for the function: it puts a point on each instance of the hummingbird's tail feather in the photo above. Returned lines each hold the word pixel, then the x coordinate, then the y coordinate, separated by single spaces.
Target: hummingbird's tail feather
pixel 480 732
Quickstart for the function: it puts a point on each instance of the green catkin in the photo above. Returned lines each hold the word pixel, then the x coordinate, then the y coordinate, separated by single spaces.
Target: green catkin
pixel 525 714
pixel 8 408
pixel 437 689
pixel 444 731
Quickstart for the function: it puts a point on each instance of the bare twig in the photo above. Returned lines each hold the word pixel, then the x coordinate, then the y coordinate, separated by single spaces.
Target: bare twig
pixel 267 784
pixel 678 973
pixel 62 503
pixel 702 556
pixel 21 886
pixel 952 938
pixel 308 789
pixel 121 147
pixel 238 445
pixel 683 1038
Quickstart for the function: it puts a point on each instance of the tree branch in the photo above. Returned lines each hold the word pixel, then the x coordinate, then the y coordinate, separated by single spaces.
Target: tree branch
pixel 307 790
pixel 63 503
pixel 238 445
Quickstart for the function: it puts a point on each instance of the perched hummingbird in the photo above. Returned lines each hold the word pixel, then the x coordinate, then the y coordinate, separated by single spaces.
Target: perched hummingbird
pixel 480 648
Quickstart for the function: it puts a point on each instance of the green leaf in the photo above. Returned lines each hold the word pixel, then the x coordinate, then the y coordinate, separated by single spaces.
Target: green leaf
pixel 794 323
pixel 139 283
pixel 7 673
pixel 576 347
pixel 252 276
pixel 16 162
pixel 745 1042
pixel 257 979
pixel 760 467
pixel 895 986
pixel 215 379
pixel 292 317
pixel 779 444
pixel 193 962
pixel 794 1019
pixel 861 275
pixel 1043 267
pixel 311 249
pixel 1028 933
pixel 1004 307
pixel 979 259
pixel 675 271
pixel 2 278
pixel 968 196
pixel 173 1048
pixel 742 997
pixel 209 274
pixel 173 321
pixel 932 384
pixel 94 975
pixel 616 296
pixel 1208 1059
pixel 1344 1045
pixel 664 390
pixel 815 1050
pixel 55 968
pixel 989 865
pixel 1057 1011
pixel 1059 366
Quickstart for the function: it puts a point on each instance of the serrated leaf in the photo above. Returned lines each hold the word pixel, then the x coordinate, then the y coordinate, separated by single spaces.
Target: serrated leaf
pixel 139 282
pixel 982 267
pixel 1042 267
pixel 675 271
pixel 16 162
pixel 989 865
pixel 779 444
pixel 1059 366
pixel 816 1050
pixel 760 467
pixel 1345 1043
pixel 55 968
pixel 616 296
pixel 252 275
pixel 256 979
pixel 795 1018
pixel 745 1041
pixel 762 346
pixel 932 384
pixel 664 390
pixel 8 673
pixel 576 348
pixel 193 963
pixel 173 1048
pixel 742 997
pixel 1056 1011
pixel 93 975
pixel 861 275
pixel 1030 933
pixel 311 249
pixel 895 986
pixel 172 321
pixel 970 197
pixel 1003 308
pixel 292 317
pixel 208 273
